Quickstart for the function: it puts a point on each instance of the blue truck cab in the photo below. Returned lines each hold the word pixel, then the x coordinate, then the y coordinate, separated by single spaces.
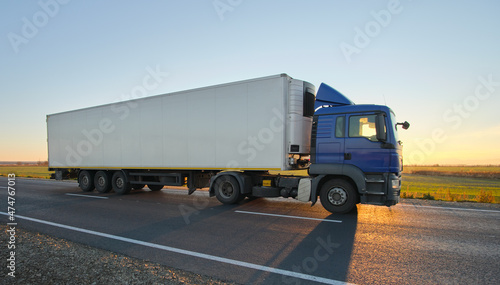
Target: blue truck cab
pixel 356 156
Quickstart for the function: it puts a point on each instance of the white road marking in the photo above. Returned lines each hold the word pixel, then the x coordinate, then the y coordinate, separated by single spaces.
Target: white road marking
pixel 450 208
pixel 188 252
pixel 88 196
pixel 291 217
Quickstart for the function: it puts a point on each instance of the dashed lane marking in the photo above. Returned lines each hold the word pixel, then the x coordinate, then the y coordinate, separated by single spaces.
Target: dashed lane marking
pixel 88 196
pixel 291 217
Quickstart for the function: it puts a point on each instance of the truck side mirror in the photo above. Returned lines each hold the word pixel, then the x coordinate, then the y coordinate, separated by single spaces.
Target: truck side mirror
pixel 380 126
pixel 405 125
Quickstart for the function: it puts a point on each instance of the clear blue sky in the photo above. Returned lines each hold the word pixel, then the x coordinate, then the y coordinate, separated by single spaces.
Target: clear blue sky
pixel 424 59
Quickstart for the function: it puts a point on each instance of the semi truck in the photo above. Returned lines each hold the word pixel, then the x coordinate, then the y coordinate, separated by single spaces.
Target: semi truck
pixel 273 136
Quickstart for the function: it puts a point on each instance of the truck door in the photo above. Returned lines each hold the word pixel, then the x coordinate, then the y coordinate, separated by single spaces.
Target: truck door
pixel 362 149
pixel 330 137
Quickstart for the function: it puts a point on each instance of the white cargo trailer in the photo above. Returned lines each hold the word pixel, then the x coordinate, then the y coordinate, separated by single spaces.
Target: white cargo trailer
pixel 185 137
pixel 228 137
pixel 248 125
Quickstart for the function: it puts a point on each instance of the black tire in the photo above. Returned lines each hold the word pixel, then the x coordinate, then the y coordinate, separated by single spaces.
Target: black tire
pixel 227 190
pixel 102 182
pixel 138 186
pixel 155 187
pixel 338 196
pixel 120 183
pixel 86 180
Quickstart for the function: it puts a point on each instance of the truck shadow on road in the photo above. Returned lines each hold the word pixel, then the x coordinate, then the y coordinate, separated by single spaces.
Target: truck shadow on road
pixel 324 252
pixel 199 224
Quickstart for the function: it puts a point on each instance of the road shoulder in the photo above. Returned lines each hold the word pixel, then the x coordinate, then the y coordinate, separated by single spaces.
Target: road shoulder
pixel 42 259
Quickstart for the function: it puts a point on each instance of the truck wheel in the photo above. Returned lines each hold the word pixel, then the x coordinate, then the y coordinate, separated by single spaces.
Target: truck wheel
pixel 227 190
pixel 86 180
pixel 338 196
pixel 155 187
pixel 102 182
pixel 120 183
pixel 138 186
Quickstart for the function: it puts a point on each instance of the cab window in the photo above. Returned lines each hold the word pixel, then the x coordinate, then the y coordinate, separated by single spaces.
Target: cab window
pixel 363 126
pixel 340 127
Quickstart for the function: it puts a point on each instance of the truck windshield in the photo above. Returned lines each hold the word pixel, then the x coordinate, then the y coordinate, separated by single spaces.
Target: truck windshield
pixel 394 126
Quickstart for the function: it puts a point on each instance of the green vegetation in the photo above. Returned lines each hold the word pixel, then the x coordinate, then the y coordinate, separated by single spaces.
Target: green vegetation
pixel 451 188
pixel 26 171
pixel 462 171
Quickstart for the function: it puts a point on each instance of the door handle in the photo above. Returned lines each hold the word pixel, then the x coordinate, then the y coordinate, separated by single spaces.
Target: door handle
pixel 347 156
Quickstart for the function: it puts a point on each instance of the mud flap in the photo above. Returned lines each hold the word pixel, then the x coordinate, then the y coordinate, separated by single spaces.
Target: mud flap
pixel 304 192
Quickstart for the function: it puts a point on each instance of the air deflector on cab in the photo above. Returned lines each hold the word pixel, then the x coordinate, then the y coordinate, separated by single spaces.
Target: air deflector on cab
pixel 327 95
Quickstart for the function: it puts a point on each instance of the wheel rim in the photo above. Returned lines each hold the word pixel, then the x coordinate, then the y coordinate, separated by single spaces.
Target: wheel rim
pixel 85 180
pixel 119 182
pixel 227 189
pixel 101 181
pixel 337 196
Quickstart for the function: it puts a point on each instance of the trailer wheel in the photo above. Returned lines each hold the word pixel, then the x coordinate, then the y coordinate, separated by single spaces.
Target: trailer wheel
pixel 155 187
pixel 338 196
pixel 86 180
pixel 120 183
pixel 138 186
pixel 102 181
pixel 227 190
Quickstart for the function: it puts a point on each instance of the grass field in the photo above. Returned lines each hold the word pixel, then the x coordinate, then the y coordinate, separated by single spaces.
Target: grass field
pixel 451 188
pixel 467 171
pixel 26 171
pixel 449 183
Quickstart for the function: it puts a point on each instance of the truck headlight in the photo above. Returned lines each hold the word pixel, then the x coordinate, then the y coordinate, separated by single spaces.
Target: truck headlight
pixel 396 183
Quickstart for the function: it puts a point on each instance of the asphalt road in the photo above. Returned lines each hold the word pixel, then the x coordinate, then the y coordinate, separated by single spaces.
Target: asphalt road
pixel 271 241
